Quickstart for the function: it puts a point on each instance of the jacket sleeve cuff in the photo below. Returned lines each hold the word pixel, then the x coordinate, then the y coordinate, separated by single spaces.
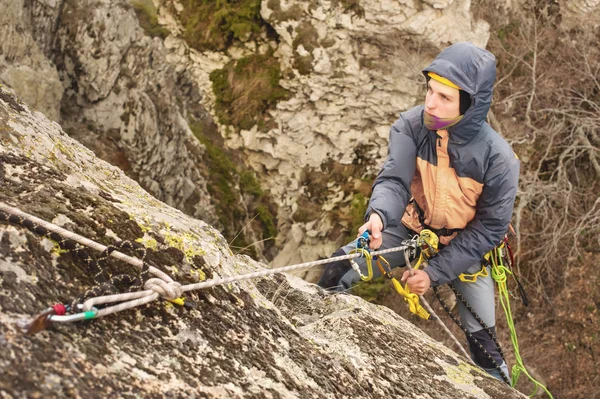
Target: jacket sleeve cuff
pixel 368 215
pixel 433 276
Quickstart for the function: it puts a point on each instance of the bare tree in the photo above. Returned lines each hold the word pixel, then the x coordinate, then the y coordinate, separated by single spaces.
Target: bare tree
pixel 548 108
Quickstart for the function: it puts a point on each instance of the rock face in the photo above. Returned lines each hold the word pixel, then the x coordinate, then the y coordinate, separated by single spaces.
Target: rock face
pixel 117 92
pixel 23 64
pixel 276 337
pixel 576 13
pixel 124 100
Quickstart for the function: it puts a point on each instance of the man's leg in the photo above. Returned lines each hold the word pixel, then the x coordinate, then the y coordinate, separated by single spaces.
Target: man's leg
pixel 480 296
pixel 340 276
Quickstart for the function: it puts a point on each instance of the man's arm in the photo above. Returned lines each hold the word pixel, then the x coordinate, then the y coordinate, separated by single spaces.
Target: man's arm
pixel 391 189
pixel 485 231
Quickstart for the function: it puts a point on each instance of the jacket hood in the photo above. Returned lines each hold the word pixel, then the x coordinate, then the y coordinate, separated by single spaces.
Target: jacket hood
pixel 473 69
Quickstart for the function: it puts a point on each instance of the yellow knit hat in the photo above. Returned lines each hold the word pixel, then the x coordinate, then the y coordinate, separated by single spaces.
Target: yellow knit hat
pixel 442 80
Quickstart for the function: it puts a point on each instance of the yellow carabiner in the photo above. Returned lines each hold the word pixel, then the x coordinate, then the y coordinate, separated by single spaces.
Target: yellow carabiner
pixel 368 259
pixel 413 300
pixel 387 270
pixel 429 243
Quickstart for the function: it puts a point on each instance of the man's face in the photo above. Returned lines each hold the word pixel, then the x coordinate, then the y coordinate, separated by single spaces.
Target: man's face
pixel 441 100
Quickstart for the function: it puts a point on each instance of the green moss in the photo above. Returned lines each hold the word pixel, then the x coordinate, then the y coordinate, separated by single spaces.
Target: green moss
pixel 372 291
pixel 148 242
pixel 266 218
pixel 358 207
pixel 198 274
pixel 228 184
pixel 246 89
pixel 148 18
pixel 56 249
pixel 249 184
pixel 183 242
pixel 67 152
pixel 217 24
pixel 221 167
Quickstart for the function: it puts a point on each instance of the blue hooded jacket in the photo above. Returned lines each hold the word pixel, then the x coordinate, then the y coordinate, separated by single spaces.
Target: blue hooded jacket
pixel 464 178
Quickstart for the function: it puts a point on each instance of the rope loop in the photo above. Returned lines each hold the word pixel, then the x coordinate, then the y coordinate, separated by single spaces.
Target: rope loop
pixel 499 274
pixel 169 290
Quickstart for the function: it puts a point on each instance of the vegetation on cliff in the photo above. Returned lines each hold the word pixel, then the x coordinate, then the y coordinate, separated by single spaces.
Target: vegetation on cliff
pixel 238 197
pixel 148 18
pixel 217 24
pixel 246 89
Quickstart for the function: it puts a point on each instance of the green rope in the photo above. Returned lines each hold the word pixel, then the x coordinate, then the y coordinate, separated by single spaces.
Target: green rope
pixel 499 272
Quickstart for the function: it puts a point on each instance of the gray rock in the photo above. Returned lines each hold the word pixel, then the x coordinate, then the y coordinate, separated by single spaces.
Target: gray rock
pixel 276 337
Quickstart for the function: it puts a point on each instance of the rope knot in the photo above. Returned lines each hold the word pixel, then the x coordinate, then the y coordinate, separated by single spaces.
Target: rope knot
pixel 167 289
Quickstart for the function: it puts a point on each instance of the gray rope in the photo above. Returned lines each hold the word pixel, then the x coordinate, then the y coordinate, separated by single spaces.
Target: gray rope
pixel 70 235
pixel 262 273
pixel 430 310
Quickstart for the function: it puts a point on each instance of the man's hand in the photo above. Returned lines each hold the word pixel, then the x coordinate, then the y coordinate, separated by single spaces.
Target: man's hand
pixel 417 284
pixel 374 225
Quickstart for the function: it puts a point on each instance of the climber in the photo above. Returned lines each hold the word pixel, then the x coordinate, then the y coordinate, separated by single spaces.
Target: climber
pixel 446 170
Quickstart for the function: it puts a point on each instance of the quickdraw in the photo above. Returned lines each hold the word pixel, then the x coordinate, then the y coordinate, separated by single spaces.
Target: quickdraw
pixel 362 246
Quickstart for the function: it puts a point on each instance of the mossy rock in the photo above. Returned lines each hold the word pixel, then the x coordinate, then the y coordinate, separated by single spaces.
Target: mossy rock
pixel 351 6
pixel 148 18
pixel 246 89
pixel 307 36
pixel 228 182
pixel 217 24
pixel 294 12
